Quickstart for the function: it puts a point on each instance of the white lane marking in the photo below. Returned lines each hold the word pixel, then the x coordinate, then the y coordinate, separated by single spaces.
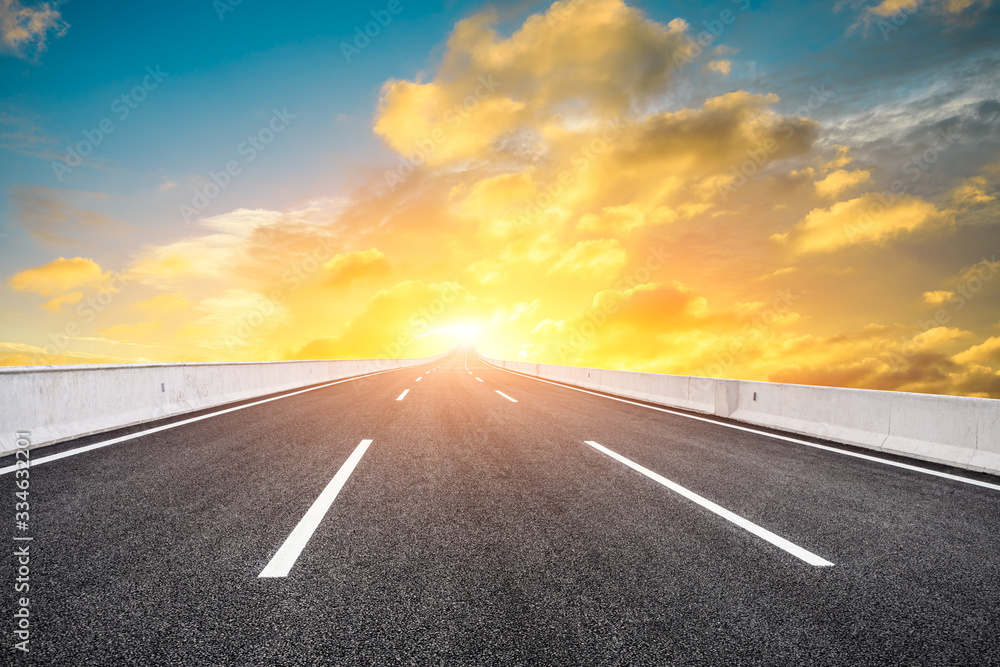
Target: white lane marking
pixel 157 429
pixel 403 395
pixel 289 551
pixel 512 400
pixel 748 526
pixel 814 445
pixel 428 372
pixel 479 380
pixel 420 378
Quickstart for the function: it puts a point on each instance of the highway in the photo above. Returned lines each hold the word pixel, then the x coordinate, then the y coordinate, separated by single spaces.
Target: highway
pixel 457 513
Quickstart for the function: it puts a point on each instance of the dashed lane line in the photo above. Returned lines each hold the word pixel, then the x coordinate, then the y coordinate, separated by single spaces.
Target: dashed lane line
pixel 283 560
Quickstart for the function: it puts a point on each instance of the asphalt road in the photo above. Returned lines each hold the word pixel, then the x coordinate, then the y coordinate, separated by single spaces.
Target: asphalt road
pixel 474 529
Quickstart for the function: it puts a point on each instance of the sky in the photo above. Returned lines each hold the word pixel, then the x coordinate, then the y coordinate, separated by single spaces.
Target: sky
pixel 794 192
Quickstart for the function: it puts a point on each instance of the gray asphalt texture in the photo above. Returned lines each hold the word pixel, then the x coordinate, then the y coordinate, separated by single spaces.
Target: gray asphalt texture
pixel 479 531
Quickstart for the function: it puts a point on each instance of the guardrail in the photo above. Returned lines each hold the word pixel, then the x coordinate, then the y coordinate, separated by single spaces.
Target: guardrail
pixel 56 403
pixel 954 430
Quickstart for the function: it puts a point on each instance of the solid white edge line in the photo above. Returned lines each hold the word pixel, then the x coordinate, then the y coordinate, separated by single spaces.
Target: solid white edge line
pixel 512 400
pixel 814 445
pixel 289 551
pixel 748 526
pixel 157 429
pixel 403 395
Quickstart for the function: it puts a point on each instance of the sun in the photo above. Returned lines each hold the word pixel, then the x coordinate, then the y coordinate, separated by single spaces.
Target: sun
pixel 467 331
pixel 458 333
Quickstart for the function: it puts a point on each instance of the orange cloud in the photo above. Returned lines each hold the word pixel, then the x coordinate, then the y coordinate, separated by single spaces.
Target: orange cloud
pixel 937 297
pixel 840 180
pixel 578 58
pixel 26 29
pixel 723 67
pixel 162 304
pixel 869 219
pixel 345 268
pixel 889 8
pixel 986 353
pixel 68 299
pixel 59 275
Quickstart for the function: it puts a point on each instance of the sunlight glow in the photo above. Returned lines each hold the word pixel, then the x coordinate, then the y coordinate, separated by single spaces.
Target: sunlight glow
pixel 465 332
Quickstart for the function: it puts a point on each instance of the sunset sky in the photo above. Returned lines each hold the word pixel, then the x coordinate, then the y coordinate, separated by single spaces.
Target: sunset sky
pixel 794 192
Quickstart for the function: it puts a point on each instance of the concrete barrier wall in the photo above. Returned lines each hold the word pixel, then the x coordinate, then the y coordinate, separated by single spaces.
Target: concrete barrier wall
pixel 56 403
pixel 954 430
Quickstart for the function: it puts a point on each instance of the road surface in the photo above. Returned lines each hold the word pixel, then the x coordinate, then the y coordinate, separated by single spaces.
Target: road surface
pixel 457 513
